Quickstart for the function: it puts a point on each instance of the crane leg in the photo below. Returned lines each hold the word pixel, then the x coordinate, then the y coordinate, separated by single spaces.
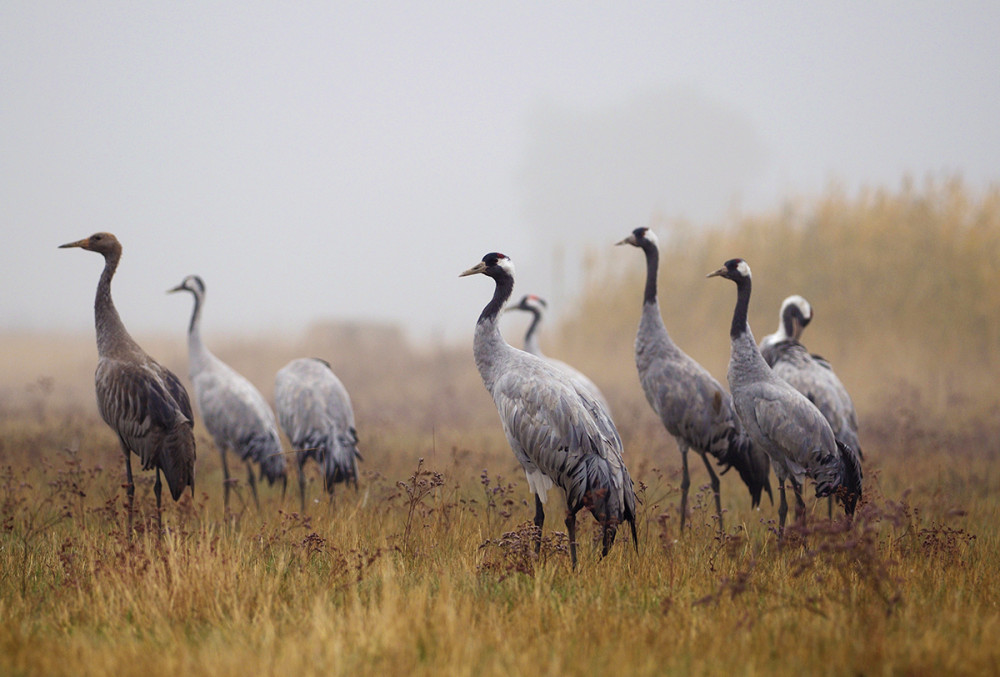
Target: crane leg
pixel 782 508
pixel 715 489
pixel 302 481
pixel 158 490
pixel 571 530
pixel 226 482
pixel 685 485
pixel 800 505
pixel 608 532
pixel 129 486
pixel 539 521
pixel 252 481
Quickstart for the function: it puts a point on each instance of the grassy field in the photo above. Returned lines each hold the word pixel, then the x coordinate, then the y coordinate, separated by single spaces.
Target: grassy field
pixel 429 568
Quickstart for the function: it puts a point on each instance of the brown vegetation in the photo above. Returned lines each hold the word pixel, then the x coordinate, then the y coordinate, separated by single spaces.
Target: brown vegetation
pixel 430 567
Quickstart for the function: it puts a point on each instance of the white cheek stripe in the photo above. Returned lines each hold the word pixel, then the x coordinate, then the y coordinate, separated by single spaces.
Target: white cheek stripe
pixel 744 268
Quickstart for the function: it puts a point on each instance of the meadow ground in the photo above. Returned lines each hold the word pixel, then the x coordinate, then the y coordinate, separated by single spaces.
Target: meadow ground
pixel 429 568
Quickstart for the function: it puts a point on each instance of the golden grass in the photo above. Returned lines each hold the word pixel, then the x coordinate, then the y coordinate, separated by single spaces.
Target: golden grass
pixel 429 568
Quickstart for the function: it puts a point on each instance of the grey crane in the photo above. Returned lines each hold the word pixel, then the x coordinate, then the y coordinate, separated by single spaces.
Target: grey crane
pixel 235 413
pixel 537 307
pixel 810 374
pixel 558 431
pixel 781 420
pixel 315 412
pixel 143 402
pixel 691 404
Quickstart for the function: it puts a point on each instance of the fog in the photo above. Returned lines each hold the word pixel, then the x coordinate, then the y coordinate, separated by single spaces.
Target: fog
pixel 346 160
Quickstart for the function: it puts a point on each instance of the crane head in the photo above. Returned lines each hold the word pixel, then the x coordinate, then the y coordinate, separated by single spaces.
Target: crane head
pixel 102 243
pixel 493 265
pixel 191 283
pixel 736 270
pixel 796 313
pixel 531 303
pixel 641 236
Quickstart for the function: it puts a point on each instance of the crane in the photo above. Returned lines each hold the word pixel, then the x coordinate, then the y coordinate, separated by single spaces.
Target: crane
pixel 315 412
pixel 142 401
pixel 557 430
pixel 235 413
pixel 810 374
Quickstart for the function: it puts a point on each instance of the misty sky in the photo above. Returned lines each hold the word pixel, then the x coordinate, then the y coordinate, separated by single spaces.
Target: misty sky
pixel 348 159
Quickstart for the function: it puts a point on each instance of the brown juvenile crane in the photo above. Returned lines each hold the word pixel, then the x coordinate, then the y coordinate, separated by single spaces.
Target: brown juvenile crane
pixel 143 402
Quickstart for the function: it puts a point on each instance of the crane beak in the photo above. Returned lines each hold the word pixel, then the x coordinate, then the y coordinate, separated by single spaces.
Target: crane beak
pixel 718 273
pixel 179 287
pixel 478 268
pixel 79 243
pixel 629 240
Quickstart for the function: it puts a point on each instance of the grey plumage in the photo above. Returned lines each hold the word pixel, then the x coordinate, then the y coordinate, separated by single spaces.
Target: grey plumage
pixel 315 412
pixel 143 402
pixel 693 407
pixel 537 307
pixel 810 374
pixel 558 431
pixel 232 409
pixel 780 419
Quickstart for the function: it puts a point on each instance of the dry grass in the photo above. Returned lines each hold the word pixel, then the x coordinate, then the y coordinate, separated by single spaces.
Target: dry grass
pixel 430 567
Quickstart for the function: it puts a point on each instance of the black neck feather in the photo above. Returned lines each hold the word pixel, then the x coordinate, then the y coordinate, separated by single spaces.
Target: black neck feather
pixel 652 266
pixel 537 317
pixel 742 305
pixel 505 287
pixel 196 313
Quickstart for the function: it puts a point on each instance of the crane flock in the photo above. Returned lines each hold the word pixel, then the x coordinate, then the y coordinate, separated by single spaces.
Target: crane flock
pixel 785 408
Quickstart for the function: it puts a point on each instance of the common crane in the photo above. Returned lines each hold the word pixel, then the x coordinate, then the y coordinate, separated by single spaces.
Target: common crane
pixel 558 431
pixel 235 413
pixel 143 402
pixel 810 374
pixel 315 412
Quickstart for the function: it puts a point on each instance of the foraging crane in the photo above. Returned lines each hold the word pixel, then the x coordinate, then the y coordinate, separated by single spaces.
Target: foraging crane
pixel 315 412
pixel 558 431
pixel 143 402
pixel 691 404
pixel 781 420
pixel 537 306
pixel 810 374
pixel 235 413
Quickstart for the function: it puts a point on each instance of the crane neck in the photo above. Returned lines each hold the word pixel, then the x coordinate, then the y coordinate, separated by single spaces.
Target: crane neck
pixel 652 267
pixel 740 326
pixel 196 348
pixel 787 328
pixel 504 288
pixel 488 344
pixel 531 336
pixel 112 337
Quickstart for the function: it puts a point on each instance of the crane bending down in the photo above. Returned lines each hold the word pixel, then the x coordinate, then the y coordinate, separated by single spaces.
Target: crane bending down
pixel 691 404
pixel 810 374
pixel 143 402
pixel 781 420
pixel 315 412
pixel 559 433
pixel 537 307
pixel 235 413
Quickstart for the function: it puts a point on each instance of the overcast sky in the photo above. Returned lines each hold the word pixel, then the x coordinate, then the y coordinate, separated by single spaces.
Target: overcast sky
pixel 348 159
